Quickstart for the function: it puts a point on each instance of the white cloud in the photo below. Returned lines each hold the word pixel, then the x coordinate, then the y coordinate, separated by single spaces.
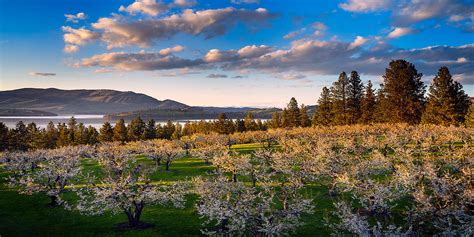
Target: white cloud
pixel 398 32
pixel 185 3
pixel 319 26
pixel 359 41
pixel 75 18
pixel 71 48
pixel 118 31
pixel 216 75
pixel 365 5
pixel 149 7
pixel 42 74
pixel 245 1
pixel 168 51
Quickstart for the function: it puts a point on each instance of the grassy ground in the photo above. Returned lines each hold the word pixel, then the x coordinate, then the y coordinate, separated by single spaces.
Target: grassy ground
pixel 23 215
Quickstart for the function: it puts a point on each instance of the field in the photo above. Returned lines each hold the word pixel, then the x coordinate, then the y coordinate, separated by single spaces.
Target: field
pixel 378 173
pixel 30 216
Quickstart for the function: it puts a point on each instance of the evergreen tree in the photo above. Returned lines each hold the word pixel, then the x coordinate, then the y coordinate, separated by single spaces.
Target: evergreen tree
pixel 368 105
pixel 120 131
pixel 63 135
pixel 403 93
pixel 187 129
pixel 18 137
pixel 150 130
pixel 3 137
pixel 249 122
pixel 355 91
pixel 135 129
pixel 168 130
pixel 275 122
pixel 223 125
pixel 92 135
pixel 292 115
pixel 80 134
pixel 177 131
pixel 33 139
pixel 240 125
pixel 323 115
pixel 51 136
pixel 71 128
pixel 339 96
pixel 304 118
pixel 106 133
pixel 447 104
pixel 284 118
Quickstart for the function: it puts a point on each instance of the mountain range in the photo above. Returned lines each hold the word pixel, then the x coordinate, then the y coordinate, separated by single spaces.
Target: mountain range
pixel 113 104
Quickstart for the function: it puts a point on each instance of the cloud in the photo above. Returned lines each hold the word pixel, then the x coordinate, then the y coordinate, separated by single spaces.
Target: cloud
pixel 119 31
pixel 71 48
pixel 319 26
pixel 293 34
pixel 245 1
pixel 292 76
pixel 75 18
pixel 185 3
pixel 301 57
pixel 42 74
pixel 365 5
pixel 418 10
pixel 74 37
pixel 359 41
pixel 168 51
pixel 140 61
pixel 215 75
pixel 398 32
pixel 149 7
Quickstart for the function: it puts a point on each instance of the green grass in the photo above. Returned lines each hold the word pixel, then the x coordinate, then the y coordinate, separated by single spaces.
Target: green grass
pixel 24 215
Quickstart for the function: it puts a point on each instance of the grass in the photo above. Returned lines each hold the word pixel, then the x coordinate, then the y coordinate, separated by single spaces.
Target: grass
pixel 24 215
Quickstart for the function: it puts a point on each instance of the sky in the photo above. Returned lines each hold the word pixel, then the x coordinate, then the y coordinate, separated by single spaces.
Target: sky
pixel 228 52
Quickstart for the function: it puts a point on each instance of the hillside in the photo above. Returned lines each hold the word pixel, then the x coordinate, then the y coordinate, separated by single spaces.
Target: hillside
pixel 24 112
pixel 81 101
pixel 193 113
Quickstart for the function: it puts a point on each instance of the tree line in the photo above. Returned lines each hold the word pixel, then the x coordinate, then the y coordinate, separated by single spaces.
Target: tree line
pixel 400 99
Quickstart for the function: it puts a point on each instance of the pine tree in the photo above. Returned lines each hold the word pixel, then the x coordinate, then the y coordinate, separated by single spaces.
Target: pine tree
pixel 323 115
pixel 339 95
pixel 403 93
pixel 51 136
pixel 71 127
pixel 3 137
pixel 187 129
pixel 177 131
pixel 223 125
pixel 304 119
pixel 368 105
pixel 34 136
pixel 292 115
pixel 355 91
pixel 240 125
pixel 275 122
pixel 168 130
pixel 150 130
pixel 80 134
pixel 447 104
pixel 92 135
pixel 120 131
pixel 63 137
pixel 106 133
pixel 135 129
pixel 249 121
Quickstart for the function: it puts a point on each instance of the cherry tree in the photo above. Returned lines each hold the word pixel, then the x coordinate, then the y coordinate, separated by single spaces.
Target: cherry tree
pixel 126 188
pixel 54 172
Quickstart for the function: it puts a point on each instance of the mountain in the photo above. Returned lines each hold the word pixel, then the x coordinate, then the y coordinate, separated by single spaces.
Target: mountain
pixel 25 112
pixel 81 101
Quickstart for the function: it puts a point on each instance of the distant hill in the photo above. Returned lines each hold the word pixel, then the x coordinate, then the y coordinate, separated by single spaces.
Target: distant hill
pixel 81 101
pixel 192 113
pixel 24 112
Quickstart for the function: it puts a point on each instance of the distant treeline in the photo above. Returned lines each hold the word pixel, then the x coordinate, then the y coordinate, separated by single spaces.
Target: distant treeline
pixel 400 99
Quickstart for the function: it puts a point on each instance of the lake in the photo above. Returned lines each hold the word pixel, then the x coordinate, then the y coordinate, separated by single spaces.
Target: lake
pixel 95 121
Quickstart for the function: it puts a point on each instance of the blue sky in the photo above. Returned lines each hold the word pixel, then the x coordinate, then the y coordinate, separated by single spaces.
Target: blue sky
pixel 228 52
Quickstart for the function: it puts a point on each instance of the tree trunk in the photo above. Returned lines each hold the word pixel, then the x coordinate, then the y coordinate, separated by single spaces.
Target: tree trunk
pixel 168 163
pixel 234 177
pixel 54 201
pixel 158 162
